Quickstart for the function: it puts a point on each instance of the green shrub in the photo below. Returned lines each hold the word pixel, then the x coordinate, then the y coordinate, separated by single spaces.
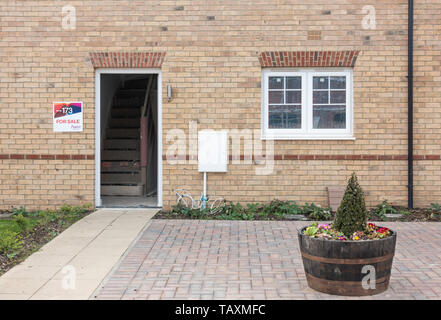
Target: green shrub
pixel 10 242
pixel 351 215
pixel 316 213
pixel 435 207
pixel 48 216
pixel 23 223
pixel 381 210
pixel 282 208
pixel 19 211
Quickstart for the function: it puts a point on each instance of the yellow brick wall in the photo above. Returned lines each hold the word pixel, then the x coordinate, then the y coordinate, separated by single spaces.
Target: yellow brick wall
pixel 211 63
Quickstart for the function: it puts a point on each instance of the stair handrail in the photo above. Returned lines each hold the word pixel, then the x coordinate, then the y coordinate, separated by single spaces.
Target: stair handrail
pixel 146 99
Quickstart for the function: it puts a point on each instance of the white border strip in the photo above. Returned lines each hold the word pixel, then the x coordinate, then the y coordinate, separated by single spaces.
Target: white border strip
pixel 98 73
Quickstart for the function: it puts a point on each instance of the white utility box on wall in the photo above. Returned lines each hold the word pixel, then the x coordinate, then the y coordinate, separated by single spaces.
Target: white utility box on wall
pixel 212 151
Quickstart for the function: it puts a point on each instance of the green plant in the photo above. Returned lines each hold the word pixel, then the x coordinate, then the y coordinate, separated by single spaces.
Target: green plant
pixel 283 208
pixel 45 217
pixel 23 223
pixel 351 215
pixel 382 209
pixel 435 211
pixel 316 212
pixel 19 211
pixel 10 242
pixel 189 212
pixel 73 211
pixel 435 207
pixel 311 231
pixel 403 211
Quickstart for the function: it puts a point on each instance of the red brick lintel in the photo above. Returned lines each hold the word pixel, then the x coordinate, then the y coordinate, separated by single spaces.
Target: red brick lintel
pixel 126 59
pixel 345 58
pixel 47 156
pixel 322 157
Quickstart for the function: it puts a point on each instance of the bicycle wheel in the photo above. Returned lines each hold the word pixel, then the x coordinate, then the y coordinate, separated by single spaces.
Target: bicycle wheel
pixel 184 198
pixel 216 205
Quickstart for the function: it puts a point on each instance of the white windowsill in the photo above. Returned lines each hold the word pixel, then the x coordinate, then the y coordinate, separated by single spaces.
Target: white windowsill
pixel 327 137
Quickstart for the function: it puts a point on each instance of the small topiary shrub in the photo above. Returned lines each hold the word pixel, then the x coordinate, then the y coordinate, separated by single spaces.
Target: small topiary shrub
pixel 352 214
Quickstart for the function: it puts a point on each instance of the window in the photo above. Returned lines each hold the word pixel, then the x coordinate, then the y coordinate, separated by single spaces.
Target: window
pixel 307 104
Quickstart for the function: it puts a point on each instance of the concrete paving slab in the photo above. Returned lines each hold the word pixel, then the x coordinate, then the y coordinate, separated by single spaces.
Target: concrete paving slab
pixel 84 254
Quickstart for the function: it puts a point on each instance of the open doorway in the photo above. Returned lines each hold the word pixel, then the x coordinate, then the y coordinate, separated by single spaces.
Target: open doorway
pixel 129 175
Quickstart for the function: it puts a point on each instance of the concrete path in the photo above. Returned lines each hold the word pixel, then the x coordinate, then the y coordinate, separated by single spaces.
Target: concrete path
pixel 73 264
pixel 190 259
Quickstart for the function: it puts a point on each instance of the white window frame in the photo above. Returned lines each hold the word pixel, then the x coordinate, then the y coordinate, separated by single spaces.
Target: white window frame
pixel 307 132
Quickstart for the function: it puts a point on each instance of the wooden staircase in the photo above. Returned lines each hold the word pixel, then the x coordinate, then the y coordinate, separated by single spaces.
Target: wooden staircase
pixel 120 156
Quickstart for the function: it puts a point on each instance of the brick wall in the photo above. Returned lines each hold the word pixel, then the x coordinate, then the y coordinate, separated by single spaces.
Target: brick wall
pixel 212 62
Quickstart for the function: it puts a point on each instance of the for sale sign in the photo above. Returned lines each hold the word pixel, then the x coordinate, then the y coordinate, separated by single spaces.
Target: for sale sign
pixel 68 116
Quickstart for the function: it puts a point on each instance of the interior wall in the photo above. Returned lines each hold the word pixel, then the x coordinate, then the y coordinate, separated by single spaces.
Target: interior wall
pixel 152 157
pixel 109 85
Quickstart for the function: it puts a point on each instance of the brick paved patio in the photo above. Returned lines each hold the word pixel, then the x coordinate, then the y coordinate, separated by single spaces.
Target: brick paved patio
pixel 183 259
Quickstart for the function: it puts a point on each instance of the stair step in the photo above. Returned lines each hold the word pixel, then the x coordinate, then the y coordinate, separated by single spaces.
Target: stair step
pixel 122 133
pixel 129 102
pixel 126 112
pixel 124 123
pixel 122 190
pixel 121 144
pixel 120 155
pixel 119 166
pixel 120 178
pixel 132 91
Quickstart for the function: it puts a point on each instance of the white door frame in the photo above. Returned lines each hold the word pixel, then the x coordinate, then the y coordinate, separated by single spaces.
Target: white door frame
pixel 98 73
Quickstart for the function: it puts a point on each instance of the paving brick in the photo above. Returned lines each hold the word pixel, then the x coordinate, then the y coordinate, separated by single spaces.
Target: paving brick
pixel 271 270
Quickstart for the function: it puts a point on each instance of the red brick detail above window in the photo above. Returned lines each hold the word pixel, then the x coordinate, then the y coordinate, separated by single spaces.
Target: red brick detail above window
pixel 308 58
pixel 127 59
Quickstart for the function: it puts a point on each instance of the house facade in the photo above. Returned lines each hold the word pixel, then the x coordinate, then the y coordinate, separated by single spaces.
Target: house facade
pixel 320 87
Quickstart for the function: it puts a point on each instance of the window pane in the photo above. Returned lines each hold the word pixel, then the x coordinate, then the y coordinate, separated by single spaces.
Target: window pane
pixel 338 82
pixel 294 97
pixel 320 82
pixel 285 117
pixel 275 120
pixel 338 96
pixel 276 83
pixel 275 97
pixel 329 117
pixel 294 118
pixel 320 97
pixel 293 82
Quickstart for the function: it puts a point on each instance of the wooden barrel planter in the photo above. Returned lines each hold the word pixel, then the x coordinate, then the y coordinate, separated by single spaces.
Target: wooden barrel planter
pixel 336 267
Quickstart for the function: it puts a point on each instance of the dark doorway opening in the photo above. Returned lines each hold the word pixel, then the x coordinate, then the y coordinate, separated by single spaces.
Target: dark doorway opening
pixel 129 140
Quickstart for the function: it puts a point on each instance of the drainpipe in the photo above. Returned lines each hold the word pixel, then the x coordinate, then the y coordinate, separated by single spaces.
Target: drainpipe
pixel 410 105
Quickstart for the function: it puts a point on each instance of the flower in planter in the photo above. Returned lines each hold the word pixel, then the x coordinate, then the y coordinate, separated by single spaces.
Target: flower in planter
pixel 358 235
pixel 382 230
pixel 372 226
pixel 324 226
